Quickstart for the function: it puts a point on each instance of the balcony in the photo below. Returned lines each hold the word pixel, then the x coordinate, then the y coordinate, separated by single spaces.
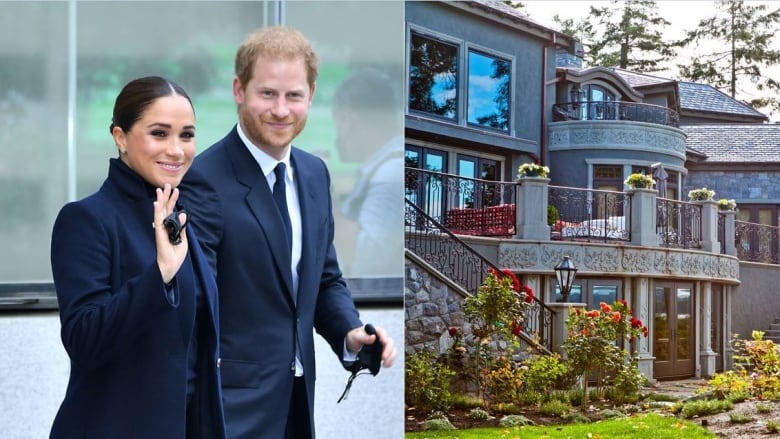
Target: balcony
pixel 616 110
pixel 473 207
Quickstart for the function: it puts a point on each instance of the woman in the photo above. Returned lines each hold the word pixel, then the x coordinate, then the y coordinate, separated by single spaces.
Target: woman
pixel 138 308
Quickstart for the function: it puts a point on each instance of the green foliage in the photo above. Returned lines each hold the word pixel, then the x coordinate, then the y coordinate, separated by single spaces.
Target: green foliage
pixel 555 408
pixel 438 424
pixel 515 421
pixel 479 414
pixel 763 408
pixel 743 34
pixel 427 382
pixel 504 381
pixel 545 372
pixel 772 427
pixel 630 36
pixel 740 418
pixel 756 372
pixel 705 407
pixel 729 382
pixel 464 401
pixel 552 215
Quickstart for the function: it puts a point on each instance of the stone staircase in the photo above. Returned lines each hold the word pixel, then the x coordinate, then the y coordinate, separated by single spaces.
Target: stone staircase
pixel 773 333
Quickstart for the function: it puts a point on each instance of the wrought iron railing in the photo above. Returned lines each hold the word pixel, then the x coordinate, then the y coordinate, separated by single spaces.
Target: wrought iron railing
pixel 678 223
pixel 756 242
pixel 466 206
pixel 589 214
pixel 430 240
pixel 615 110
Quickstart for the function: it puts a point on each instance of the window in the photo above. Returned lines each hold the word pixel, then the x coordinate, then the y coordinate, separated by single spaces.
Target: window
pixel 433 76
pixel 597 103
pixel 592 291
pixel 488 91
pixel 442 71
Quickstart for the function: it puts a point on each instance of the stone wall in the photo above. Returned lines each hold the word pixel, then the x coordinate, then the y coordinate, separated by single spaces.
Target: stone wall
pixel 745 187
pixel 431 309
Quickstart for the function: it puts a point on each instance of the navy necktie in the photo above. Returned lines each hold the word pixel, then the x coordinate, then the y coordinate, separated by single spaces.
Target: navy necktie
pixel 281 200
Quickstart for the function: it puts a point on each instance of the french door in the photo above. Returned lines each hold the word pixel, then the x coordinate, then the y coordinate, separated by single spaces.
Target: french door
pixel 673 330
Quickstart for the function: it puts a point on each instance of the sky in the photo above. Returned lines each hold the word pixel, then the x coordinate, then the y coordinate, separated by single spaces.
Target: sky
pixel 683 15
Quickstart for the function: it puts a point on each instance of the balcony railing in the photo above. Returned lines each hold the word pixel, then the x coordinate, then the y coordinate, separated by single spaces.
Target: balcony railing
pixel 756 242
pixel 589 214
pixel 678 223
pixel 466 206
pixel 615 110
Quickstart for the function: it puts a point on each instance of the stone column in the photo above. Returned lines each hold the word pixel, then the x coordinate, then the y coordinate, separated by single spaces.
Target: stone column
pixel 643 217
pixel 728 354
pixel 559 331
pixel 706 354
pixel 641 304
pixel 532 209
pixel 729 233
pixel 709 226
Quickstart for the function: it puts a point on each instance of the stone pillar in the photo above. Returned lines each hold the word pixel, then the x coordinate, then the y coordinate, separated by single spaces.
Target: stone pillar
pixel 532 209
pixel 706 354
pixel 642 305
pixel 728 354
pixel 643 217
pixel 729 233
pixel 559 331
pixel 709 226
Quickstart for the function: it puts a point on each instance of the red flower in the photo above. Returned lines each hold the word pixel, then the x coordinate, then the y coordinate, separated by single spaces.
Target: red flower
pixel 594 313
pixel 515 282
pixel 605 307
pixel 616 317
pixel 645 331
pixel 517 328
pixel 453 331
pixel 636 323
pixel 529 294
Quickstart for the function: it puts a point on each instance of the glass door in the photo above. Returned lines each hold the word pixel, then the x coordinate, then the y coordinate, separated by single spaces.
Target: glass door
pixel 673 330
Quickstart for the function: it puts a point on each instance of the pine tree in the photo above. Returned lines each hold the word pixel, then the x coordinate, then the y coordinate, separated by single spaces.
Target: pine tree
pixel 626 35
pixel 743 33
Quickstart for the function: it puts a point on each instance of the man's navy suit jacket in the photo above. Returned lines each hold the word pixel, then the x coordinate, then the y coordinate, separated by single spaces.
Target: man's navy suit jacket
pixel 243 237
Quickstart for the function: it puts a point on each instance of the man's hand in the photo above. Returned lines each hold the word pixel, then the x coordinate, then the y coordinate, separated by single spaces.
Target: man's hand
pixel 358 337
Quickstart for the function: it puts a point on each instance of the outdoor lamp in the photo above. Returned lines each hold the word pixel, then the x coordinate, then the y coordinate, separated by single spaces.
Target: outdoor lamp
pixel 565 273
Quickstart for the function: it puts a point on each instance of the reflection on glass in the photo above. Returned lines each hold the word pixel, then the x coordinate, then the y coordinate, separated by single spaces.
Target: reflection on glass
pixel 575 295
pixel 488 91
pixel 433 196
pixel 411 160
pixel 684 324
pixel 466 168
pixel 603 293
pixel 433 76
pixel 660 325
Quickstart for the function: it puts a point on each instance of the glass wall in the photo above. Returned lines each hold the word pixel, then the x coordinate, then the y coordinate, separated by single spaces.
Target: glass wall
pixel 63 63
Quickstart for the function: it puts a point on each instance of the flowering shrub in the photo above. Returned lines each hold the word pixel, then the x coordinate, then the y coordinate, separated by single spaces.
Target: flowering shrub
pixel 532 170
pixel 591 344
pixel 701 194
pixel 724 204
pixel 496 313
pixel 639 180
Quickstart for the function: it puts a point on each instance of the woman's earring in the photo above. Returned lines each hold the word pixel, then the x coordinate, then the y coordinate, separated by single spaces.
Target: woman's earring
pixel 123 152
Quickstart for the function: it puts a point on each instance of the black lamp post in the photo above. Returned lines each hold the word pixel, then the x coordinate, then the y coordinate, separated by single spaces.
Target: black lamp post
pixel 565 273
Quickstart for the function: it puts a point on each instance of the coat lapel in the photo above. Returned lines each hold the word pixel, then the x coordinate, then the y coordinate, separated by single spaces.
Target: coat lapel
pixel 261 203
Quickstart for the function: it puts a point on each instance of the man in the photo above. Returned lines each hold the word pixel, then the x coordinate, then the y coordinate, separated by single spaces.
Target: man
pixel 268 233
pixel 369 123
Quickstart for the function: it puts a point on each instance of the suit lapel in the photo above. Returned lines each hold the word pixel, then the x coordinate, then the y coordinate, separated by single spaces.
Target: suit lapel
pixel 261 203
pixel 307 198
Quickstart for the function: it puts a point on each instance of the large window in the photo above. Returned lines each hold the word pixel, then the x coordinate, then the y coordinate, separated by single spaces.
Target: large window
pixel 433 76
pixel 437 82
pixel 489 91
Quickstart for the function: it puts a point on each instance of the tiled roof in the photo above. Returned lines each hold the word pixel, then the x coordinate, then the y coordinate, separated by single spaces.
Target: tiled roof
pixel 635 79
pixel 704 97
pixel 746 143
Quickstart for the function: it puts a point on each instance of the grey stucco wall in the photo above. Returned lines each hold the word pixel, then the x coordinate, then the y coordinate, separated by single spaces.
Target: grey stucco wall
pixel 756 302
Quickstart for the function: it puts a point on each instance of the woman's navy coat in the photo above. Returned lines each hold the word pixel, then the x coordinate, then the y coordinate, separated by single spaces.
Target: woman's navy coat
pixel 127 335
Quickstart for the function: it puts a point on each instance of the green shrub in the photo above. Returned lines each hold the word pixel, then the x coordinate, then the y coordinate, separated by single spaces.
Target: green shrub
pixel 763 408
pixel 504 381
pixel 772 427
pixel 552 215
pixel 507 409
pixel 546 372
pixel 465 401
pixel 479 414
pixel 739 418
pixel 706 407
pixel 515 421
pixel 576 396
pixel 427 382
pixel 438 424
pixel 555 408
